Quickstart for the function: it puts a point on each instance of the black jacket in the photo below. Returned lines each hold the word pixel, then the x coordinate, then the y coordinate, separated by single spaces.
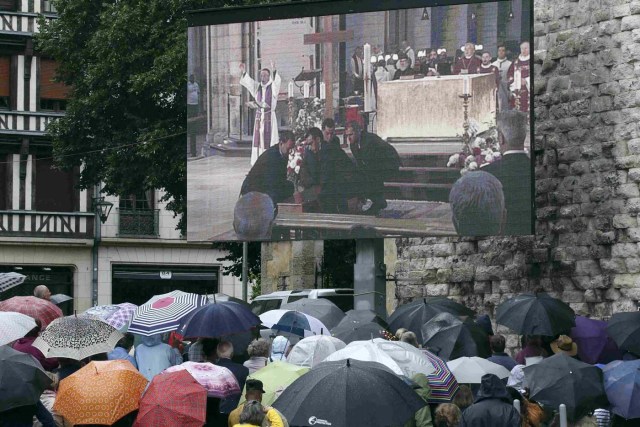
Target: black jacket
pixel 336 173
pixel 492 407
pixel 241 373
pixel 514 172
pixel 375 157
pixel 269 176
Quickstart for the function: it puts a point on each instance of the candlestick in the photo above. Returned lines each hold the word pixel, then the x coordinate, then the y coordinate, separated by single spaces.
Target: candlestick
pixel 367 79
pixel 323 90
pixel 291 89
pixel 465 85
pixel 306 89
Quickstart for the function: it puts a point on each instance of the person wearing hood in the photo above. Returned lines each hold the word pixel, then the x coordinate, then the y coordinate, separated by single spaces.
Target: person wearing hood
pixel 492 407
pixel 279 348
pixel 153 356
pixel 422 418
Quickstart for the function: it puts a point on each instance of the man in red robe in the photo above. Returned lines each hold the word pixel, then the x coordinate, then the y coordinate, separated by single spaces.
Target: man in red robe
pixel 469 63
pixel 487 67
pixel 522 64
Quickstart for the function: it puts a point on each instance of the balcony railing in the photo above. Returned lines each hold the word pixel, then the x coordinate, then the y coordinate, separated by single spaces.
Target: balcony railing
pixel 77 225
pixel 22 23
pixel 138 222
pixel 26 122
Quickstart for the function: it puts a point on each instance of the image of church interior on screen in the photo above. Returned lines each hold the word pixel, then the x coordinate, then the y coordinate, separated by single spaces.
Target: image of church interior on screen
pixel 411 122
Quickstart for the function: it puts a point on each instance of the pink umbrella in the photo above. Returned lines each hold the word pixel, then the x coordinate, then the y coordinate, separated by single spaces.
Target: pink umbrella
pixel 218 381
pixel 40 309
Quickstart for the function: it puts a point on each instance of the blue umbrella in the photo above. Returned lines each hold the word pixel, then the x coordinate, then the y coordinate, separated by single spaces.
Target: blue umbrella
pixel 218 320
pixel 300 324
pixel 622 385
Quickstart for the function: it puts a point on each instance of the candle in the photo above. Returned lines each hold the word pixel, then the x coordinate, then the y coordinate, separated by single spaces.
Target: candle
pixel 291 89
pixel 367 79
pixel 518 79
pixel 465 85
pixel 323 90
pixel 306 89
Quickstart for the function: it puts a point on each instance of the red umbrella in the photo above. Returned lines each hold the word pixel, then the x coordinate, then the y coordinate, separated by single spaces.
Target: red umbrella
pixel 173 398
pixel 38 308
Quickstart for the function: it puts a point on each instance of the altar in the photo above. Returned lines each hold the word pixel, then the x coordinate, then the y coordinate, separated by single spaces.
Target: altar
pixel 431 107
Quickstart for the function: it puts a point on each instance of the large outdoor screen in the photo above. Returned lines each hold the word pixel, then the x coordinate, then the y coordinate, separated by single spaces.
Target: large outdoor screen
pixel 318 120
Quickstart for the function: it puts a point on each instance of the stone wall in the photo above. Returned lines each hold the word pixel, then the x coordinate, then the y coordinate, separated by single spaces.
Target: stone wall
pixel 586 248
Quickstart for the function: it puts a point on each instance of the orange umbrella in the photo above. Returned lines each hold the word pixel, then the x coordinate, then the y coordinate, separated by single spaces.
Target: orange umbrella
pixel 100 393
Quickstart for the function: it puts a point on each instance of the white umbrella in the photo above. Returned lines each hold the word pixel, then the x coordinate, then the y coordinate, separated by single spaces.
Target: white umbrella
pixel 310 351
pixel 410 359
pixel 10 280
pixel 293 322
pixel 469 370
pixel 14 326
pixel 271 317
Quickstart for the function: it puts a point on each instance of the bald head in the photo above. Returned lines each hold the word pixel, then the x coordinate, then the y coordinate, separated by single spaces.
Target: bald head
pixel 253 215
pixel 42 292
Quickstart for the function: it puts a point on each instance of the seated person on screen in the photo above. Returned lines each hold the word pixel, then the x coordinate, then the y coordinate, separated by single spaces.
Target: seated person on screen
pixel 477 205
pixel 514 171
pixel 253 216
pixel 404 67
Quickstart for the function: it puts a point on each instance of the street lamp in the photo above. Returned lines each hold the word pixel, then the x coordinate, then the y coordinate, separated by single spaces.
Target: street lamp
pixel 101 210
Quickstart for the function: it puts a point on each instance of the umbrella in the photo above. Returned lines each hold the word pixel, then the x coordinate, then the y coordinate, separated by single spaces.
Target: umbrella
pixel 276 377
pixel 561 379
pixel 415 314
pixel 442 381
pixel 536 314
pixel 321 308
pixel 14 326
pixel 122 318
pixel 624 328
pixel 356 331
pixel 219 319
pixel 10 280
pixel 102 312
pixel 451 338
pixel 312 350
pixel 622 385
pixel 218 381
pixel 348 393
pixel 77 337
pixel 58 299
pixel 300 324
pixel 469 370
pixel 174 398
pixel 594 344
pixel 100 393
pixel 22 379
pixel 38 308
pixel 163 313
pixel 220 297
pixel 364 316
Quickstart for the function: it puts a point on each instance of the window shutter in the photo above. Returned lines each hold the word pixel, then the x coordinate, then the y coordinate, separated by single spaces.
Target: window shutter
pixel 50 89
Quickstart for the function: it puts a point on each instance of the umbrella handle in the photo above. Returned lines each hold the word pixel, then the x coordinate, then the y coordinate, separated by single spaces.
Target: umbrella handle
pixel 563 415
pixel 516 404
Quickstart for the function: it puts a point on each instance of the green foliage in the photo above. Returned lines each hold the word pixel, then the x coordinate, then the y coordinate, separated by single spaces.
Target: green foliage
pixel 234 256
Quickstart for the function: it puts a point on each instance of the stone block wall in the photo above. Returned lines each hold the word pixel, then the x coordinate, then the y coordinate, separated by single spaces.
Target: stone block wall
pixel 587 109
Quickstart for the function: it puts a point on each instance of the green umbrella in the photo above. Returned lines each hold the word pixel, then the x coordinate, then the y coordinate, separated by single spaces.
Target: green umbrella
pixel 275 377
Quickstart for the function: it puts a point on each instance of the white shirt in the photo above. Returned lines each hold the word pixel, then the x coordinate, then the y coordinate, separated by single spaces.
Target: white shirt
pixel 412 56
pixel 503 65
pixel 193 91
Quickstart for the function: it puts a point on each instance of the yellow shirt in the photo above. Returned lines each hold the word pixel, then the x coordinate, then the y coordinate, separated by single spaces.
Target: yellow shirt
pixel 272 416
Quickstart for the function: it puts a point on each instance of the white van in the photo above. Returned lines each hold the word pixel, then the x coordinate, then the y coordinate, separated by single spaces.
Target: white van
pixel 342 297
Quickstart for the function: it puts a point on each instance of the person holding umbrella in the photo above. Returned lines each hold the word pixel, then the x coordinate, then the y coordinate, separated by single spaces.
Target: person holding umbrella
pixel 25 345
pixel 253 415
pixel 153 356
pixel 532 349
pixel 492 407
pixel 240 372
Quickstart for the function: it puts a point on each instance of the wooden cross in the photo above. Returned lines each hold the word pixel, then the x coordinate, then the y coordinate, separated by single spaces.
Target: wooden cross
pixel 328 38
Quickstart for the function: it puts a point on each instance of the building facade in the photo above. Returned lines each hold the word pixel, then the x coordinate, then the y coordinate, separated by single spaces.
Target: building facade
pixel 47 225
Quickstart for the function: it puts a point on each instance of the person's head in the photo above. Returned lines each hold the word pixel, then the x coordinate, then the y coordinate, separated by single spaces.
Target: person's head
pixel 524 48
pixel 469 50
pixel 252 413
pixel 42 292
pixel 403 61
pixel 477 204
pixel 447 415
pixel 126 341
pixel 405 44
pixel 486 58
pixel 209 348
pixel 534 340
pixel 502 51
pixel 265 75
pixel 464 397
pixel 410 338
pixel 433 54
pixel 352 132
pixel 328 128
pixel 35 331
pixel 225 350
pixel 313 139
pixel 359 52
pixel 497 343
pixel 512 130
pixel 254 389
pixel 253 216
pixel 192 78
pixel 286 142
pixel 442 54
pixel 259 348
pixel 400 331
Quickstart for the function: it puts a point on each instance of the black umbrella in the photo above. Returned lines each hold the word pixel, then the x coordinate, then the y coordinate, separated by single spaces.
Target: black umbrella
pixel 536 314
pixel 220 297
pixel 624 328
pixel 356 331
pixel 348 393
pixel 364 316
pixel 218 320
pixel 22 379
pixel 562 379
pixel 415 314
pixel 450 337
pixel 58 299
pixel 321 308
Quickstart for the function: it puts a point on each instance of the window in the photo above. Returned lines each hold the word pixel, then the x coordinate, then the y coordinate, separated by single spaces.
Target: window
pixel 141 201
pixel 56 105
pixel 260 306
pixel 5 79
pixel 137 215
pixel 53 94
pixel 49 7
pixel 8 5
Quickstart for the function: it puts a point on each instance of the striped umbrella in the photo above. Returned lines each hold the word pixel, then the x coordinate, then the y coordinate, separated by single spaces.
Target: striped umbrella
pixel 38 308
pixel 442 382
pixel 163 313
pixel 77 337
pixel 10 280
pixel 14 326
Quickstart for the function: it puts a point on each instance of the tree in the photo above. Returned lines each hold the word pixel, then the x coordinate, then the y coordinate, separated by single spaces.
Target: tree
pixel 125 123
